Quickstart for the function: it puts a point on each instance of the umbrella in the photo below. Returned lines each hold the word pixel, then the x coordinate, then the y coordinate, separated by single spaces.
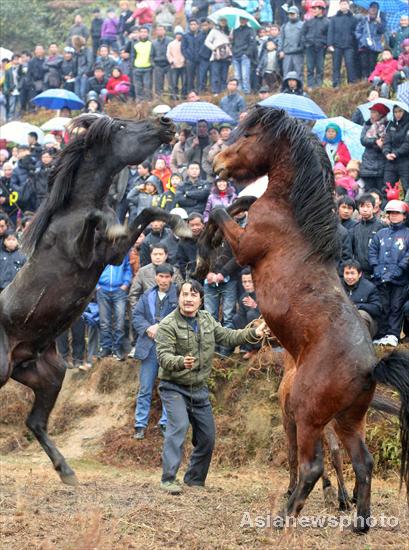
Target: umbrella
pixel 393 9
pixel 56 98
pixel 232 15
pixel 17 132
pixel 255 189
pixel 351 134
pixel 297 106
pixel 198 110
pixel 364 108
pixel 5 54
pixel 403 93
pixel 57 123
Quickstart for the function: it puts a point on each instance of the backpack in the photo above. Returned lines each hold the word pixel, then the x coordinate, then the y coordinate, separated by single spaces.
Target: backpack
pixel 222 52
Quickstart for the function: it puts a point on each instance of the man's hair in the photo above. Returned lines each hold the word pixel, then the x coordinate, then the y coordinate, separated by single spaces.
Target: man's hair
pixel 340 191
pixel 158 245
pixel 194 215
pixel 98 68
pixel 164 268
pixel 246 271
pixel 15 56
pixel 193 20
pixel 346 200
pixel 366 197
pixel 233 80
pixel 142 27
pixel 195 287
pixel 375 190
pixel 4 217
pixel 193 162
pixel 33 134
pixel 23 148
pixel 352 264
pixel 146 164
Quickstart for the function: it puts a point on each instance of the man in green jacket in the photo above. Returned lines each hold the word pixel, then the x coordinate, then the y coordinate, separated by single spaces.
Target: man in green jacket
pixel 185 344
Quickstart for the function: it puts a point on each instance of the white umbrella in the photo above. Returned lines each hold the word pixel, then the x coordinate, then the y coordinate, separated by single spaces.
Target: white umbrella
pixel 255 189
pixel 5 53
pixel 17 132
pixel 57 123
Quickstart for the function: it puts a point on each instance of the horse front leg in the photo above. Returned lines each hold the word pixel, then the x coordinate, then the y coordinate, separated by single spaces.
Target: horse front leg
pixel 5 359
pixel 83 246
pixel 45 377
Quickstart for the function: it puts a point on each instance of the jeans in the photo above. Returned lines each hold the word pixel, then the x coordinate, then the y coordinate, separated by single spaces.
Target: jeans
pixel 112 307
pixel 226 294
pixel 348 54
pixel 204 66
pixel 218 75
pixel 192 75
pixel 377 82
pixel 184 406
pixel 80 86
pixel 159 74
pixel 294 62
pixel 93 343
pixel 147 376
pixel 13 110
pixel 142 81
pixel 77 341
pixel 241 68
pixel 315 58
pixel 177 76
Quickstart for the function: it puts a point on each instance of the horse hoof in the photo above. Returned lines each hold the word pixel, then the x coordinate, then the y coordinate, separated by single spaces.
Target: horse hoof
pixel 344 506
pixel 69 479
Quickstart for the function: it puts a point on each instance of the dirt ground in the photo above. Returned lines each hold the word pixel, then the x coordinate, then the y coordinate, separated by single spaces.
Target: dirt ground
pixel 119 505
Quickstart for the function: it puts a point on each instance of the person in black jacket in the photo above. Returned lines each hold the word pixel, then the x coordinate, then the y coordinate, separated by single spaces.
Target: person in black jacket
pixel 193 194
pixel 159 234
pixel 363 231
pixel 373 139
pixel 204 56
pixel 341 41
pixel 160 61
pixel 187 248
pixel 41 175
pixel 11 259
pixel 315 33
pixel 363 294
pixel 36 71
pixel 96 26
pixel 248 310
pixel 396 150
pixel 244 47
pixel 191 42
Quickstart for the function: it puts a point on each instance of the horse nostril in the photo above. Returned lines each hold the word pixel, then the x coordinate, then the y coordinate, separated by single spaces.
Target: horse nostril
pixel 165 121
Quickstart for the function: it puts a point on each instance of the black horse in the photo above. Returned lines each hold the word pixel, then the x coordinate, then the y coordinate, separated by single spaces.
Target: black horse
pixel 73 236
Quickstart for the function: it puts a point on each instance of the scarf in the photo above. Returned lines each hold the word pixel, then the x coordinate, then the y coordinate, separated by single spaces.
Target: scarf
pixel 377 129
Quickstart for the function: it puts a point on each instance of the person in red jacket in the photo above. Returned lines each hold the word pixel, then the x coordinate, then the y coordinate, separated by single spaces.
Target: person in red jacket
pixel 142 15
pixel 382 75
pixel 336 149
pixel 118 85
pixel 403 65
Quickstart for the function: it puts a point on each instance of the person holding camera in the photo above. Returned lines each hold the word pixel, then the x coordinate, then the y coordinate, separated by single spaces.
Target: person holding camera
pixel 369 34
pixel 185 345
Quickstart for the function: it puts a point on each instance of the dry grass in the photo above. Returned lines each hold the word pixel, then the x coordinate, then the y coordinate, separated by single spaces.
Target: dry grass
pixel 69 414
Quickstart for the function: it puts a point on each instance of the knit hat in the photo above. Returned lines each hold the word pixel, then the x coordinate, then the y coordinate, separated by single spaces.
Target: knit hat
pixel 178 30
pixel 294 9
pixel 339 168
pixel 333 126
pixel 380 108
pixel 354 165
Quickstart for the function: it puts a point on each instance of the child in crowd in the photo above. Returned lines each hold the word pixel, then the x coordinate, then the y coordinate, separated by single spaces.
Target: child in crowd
pixel 336 149
pixel 343 179
pixel 11 259
pixel 167 200
pixel 346 207
pixel 162 172
pixel 353 172
pixel 267 67
pixel 142 196
pixel 382 75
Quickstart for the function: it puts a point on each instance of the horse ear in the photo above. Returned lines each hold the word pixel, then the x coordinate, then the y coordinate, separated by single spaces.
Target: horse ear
pixel 81 123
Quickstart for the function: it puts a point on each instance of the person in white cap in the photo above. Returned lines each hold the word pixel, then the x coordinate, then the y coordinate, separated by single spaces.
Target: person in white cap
pixel 389 258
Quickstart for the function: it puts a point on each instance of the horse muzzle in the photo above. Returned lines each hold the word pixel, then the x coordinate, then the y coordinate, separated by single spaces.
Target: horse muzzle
pixel 219 168
pixel 169 129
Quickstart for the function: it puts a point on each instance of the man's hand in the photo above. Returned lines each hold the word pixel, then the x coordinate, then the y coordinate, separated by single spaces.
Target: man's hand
pixel 219 278
pixel 152 330
pixel 262 330
pixel 124 288
pixel 379 143
pixel 188 361
pixel 211 278
pixel 281 55
pixel 195 142
pixel 391 156
pixel 249 302
pixel 2 200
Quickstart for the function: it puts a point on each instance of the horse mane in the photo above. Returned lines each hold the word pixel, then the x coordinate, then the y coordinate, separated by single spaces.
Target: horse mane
pixel 87 130
pixel 311 193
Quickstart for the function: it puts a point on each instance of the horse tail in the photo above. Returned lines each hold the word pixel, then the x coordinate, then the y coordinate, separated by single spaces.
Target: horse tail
pixel 393 370
pixel 4 356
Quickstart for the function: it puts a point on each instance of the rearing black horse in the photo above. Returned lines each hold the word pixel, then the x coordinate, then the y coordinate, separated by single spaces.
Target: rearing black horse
pixel 73 236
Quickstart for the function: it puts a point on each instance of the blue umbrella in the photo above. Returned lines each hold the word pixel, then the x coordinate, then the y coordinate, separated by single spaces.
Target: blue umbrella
pixel 198 110
pixel 296 105
pixel 393 9
pixel 56 98
pixel 233 15
pixel 364 108
pixel 351 134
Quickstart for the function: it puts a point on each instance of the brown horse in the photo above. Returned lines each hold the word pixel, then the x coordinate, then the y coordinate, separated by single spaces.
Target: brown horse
pixel 291 243
pixel 73 236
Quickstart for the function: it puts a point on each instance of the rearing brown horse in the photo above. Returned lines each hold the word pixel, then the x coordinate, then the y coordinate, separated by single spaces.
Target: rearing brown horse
pixel 291 243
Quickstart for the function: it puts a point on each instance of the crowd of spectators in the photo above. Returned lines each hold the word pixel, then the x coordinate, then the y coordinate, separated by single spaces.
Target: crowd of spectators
pixel 141 54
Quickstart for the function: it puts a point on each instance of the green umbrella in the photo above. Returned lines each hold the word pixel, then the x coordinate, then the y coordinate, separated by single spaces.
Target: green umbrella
pixel 232 15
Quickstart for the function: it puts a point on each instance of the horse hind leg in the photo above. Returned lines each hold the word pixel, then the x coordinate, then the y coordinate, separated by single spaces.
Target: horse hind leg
pixel 291 433
pixel 45 377
pixel 5 362
pixel 337 463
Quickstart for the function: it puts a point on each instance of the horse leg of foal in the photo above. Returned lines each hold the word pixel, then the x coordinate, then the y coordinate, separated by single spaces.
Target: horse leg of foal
pixel 45 377
pixel 311 465
pixel 336 460
pixel 350 433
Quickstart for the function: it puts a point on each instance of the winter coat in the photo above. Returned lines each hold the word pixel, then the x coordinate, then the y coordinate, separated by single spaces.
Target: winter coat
pixel 396 40
pixel 389 255
pixel 373 159
pixel 223 261
pixel 345 252
pixel 292 38
pixel 36 69
pixel 204 52
pixel 10 265
pixel 144 280
pixel 174 54
pixel 397 139
pixel 114 85
pixel 244 42
pixel 341 30
pixel 159 51
pixel 144 316
pixel 403 59
pixel 115 276
pixel 369 32
pixel 109 29
pixel 285 89
pixel 95 85
pixel 246 314
pixel 83 62
pixel 138 200
pixel 143 14
pixel 96 26
pixel 219 199
pixel 186 256
pixel 385 71
pixel 178 158
pixel 193 196
pixel 5 190
pixel 342 153
pixel 365 296
pixel 263 61
pixel 361 235
pixel 165 15
pixel 176 338
pixel 315 33
pixel 40 182
pixel 191 43
pixel 233 105
pixel 165 237
pixel 107 63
